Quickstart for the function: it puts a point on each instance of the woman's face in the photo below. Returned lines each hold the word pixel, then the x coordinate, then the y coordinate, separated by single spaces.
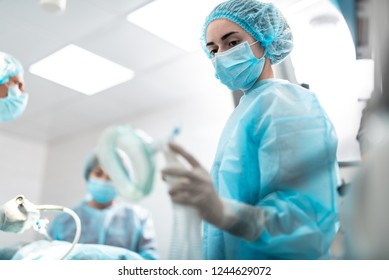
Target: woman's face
pixel 223 35
pixel 98 173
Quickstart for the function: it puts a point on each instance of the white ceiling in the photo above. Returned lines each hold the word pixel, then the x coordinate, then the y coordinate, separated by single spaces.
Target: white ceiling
pixel 100 26
pixel 164 73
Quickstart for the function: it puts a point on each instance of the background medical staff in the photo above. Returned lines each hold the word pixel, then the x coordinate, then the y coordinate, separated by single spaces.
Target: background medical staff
pixel 13 102
pixel 107 220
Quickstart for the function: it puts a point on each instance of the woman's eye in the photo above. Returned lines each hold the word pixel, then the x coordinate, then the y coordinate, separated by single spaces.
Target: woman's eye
pixel 212 52
pixel 233 43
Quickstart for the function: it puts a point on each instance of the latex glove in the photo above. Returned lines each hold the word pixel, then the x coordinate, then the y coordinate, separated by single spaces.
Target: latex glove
pixel 194 187
pixel 19 215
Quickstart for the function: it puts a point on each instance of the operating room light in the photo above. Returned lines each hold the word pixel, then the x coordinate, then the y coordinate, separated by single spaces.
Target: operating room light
pixel 176 21
pixel 81 70
pixel 53 6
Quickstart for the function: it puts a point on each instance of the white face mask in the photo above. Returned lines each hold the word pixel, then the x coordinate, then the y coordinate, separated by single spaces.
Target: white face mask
pixel 238 68
pixel 12 106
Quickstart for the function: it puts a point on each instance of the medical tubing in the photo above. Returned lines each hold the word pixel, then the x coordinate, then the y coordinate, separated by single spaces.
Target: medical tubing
pixel 56 208
pixel 45 234
pixel 185 243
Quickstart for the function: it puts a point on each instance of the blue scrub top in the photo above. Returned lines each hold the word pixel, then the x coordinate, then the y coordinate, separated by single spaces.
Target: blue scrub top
pixel 121 225
pixel 278 152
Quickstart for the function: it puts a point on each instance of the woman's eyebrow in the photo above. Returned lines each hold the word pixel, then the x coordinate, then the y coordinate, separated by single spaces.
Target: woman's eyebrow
pixel 224 37
pixel 228 35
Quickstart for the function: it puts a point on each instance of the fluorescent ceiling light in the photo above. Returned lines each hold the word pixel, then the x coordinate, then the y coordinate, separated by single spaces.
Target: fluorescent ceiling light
pixel 176 21
pixel 81 70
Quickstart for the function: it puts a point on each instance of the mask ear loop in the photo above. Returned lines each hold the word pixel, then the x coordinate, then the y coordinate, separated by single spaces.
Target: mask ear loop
pixel 264 52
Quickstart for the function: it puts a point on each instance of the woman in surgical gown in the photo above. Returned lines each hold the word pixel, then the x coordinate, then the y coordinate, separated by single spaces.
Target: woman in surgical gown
pixel 271 192
pixel 107 220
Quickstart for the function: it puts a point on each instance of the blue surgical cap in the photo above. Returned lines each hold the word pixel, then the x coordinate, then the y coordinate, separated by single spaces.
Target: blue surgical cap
pixel 9 67
pixel 263 21
pixel 90 164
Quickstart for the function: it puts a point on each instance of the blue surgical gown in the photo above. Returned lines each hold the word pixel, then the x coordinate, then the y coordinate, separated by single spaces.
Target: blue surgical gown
pixel 121 225
pixel 277 152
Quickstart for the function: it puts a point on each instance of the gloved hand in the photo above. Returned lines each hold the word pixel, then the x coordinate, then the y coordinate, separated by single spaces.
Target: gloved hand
pixel 194 187
pixel 19 215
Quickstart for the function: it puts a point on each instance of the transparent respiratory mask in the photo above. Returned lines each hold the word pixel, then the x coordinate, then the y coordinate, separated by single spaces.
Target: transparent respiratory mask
pixel 141 149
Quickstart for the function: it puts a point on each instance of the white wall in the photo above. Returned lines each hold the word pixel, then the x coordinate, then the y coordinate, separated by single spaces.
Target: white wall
pixel 337 88
pixel 201 117
pixel 22 167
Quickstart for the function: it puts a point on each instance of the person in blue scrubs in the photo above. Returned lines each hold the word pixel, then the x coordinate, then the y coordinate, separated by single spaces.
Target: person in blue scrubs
pixel 13 101
pixel 106 219
pixel 271 193
pixel 13 98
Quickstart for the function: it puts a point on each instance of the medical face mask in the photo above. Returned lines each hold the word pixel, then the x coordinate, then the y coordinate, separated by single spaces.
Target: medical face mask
pixel 101 191
pixel 13 105
pixel 238 68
